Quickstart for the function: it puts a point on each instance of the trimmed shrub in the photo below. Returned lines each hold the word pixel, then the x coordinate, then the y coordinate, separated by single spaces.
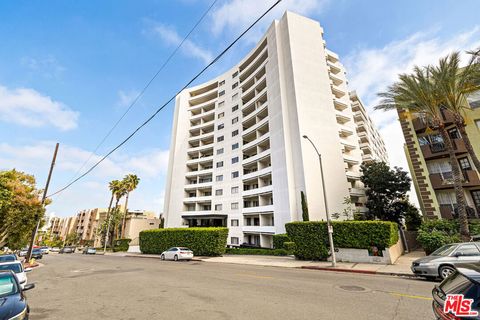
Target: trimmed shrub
pixel 259 251
pixel 289 246
pixel 279 240
pixel 433 240
pixel 121 245
pixel 202 241
pixel 311 238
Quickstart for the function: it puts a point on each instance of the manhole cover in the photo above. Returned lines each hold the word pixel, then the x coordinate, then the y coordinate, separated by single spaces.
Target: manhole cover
pixel 353 288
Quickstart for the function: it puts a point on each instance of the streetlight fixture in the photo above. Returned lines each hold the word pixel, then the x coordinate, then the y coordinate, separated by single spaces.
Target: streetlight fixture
pixel 329 223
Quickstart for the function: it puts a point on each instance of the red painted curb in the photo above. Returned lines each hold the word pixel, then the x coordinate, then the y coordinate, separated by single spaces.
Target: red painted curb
pixel 339 270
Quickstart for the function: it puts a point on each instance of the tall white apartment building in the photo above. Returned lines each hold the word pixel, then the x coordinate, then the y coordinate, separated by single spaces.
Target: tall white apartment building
pixel 370 140
pixel 237 155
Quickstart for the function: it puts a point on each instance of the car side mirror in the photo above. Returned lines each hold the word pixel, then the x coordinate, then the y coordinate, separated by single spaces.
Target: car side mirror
pixel 29 286
pixel 28 269
pixel 458 254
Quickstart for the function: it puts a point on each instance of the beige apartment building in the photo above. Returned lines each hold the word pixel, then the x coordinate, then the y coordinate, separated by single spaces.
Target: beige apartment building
pixel 430 165
pixel 237 155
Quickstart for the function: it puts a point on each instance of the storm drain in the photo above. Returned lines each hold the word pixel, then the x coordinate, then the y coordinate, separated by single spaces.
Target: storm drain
pixel 352 288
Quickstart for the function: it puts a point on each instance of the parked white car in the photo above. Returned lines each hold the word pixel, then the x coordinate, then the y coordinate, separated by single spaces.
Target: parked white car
pixel 177 253
pixel 17 268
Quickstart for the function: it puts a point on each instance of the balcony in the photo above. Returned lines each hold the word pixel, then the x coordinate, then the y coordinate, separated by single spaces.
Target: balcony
pixel 257 173
pixel 259 229
pixel 438 150
pixel 339 105
pixel 445 180
pixel 257 191
pixel 258 209
pixel 356 192
pixel 449 211
pixel 420 123
pixel 256 157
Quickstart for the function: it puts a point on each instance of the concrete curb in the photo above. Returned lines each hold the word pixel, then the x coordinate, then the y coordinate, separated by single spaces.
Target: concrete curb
pixel 359 271
pixel 150 257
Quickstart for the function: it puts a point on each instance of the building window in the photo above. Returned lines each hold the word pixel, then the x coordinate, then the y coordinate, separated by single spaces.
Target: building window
pixel 234 85
pixel 221 83
pixel 221 93
pixel 219 192
pixel 220 126
pixel 234 190
pixel 235 174
pixel 220 139
pixel 219 178
pixel 219 164
pixel 234 240
pixel 234 205
pixel 235 108
pixel 221 104
pixel 234 120
pixel 218 207
pixel 235 146
pixel 235 97
pixel 234 160
pixel 234 222
pixel 234 133
pixel 221 115
pixel 464 164
pixel 235 74
pixel 220 151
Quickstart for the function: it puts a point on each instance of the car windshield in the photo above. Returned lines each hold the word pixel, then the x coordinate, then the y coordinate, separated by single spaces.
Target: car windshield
pixel 15 267
pixel 8 286
pixel 444 251
pixel 7 258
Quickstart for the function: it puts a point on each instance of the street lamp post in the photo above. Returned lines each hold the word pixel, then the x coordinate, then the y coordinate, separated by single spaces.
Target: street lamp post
pixel 329 223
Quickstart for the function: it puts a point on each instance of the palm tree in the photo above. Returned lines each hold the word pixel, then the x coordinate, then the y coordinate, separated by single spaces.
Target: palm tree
pixel 116 188
pixel 455 84
pixel 120 192
pixel 131 182
pixel 418 93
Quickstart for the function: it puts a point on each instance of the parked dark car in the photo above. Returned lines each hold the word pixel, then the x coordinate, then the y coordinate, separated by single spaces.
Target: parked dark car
pixel 67 250
pixel 13 301
pixel 465 280
pixel 37 253
pixel 7 257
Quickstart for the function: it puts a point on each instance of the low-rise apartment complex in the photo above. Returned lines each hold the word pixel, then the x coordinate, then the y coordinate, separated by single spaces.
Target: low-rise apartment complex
pixel 430 164
pixel 237 155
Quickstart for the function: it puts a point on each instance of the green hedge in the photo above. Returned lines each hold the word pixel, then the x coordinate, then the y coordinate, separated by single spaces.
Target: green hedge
pixel 289 246
pixel 202 241
pixel 121 245
pixel 311 238
pixel 279 240
pixel 259 251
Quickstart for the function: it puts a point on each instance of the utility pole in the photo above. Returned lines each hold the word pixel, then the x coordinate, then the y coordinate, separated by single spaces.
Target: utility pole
pixel 329 222
pixel 44 197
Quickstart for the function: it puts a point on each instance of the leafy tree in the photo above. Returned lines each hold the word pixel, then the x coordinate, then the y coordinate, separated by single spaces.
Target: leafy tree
pixel 305 215
pixel 130 183
pixel 72 239
pixel 20 208
pixel 386 191
pixel 413 219
pixel 420 93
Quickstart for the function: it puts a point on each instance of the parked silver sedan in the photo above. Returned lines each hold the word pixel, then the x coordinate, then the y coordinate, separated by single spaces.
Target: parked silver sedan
pixel 441 263
pixel 177 253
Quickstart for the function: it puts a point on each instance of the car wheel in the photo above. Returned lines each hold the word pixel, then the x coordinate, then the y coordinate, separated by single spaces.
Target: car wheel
pixel 162 257
pixel 445 271
pixel 175 258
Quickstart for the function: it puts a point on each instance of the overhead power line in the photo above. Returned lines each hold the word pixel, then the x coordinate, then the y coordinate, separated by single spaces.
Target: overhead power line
pixel 140 94
pixel 168 101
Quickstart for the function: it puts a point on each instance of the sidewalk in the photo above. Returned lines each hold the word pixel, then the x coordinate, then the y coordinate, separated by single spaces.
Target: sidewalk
pixel 400 268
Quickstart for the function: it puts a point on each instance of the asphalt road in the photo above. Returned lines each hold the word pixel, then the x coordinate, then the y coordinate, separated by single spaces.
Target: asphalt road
pixel 76 286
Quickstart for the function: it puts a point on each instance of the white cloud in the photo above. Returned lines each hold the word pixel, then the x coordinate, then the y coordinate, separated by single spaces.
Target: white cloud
pixel 47 66
pixel 236 15
pixel 125 98
pixel 92 191
pixel 189 48
pixel 30 108
pixel 371 70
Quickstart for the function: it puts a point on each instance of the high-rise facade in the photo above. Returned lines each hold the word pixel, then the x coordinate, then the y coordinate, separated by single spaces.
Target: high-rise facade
pixel 430 164
pixel 237 155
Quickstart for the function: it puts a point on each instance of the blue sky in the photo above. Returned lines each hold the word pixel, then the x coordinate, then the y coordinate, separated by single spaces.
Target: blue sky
pixel 69 69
